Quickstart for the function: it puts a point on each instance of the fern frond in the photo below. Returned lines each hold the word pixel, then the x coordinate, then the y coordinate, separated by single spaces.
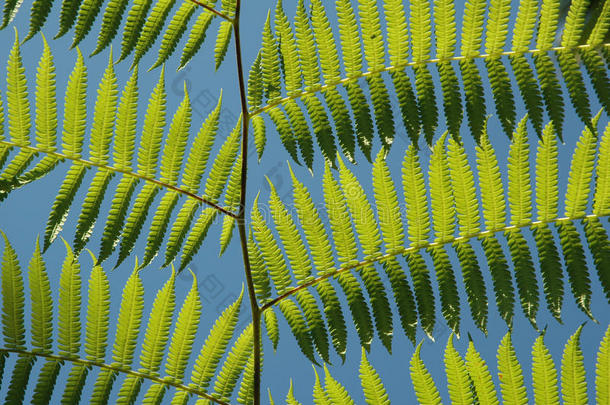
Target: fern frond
pixel 544 374
pixel 573 382
pixel 452 190
pixel 538 84
pixel 95 338
pixel 424 386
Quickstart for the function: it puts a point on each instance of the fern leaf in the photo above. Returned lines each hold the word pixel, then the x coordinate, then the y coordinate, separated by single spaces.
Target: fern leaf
pixel 47 378
pixel 42 303
pixel 315 322
pixel 472 28
pixel 573 382
pixel 260 276
pixel 492 191
pixel 547 175
pixel 602 391
pixel 366 228
pixel 133 26
pixel 246 387
pixel 75 112
pixel 350 38
pixel 46 101
pixel 290 399
pixel 300 131
pixel 424 386
pixel 270 63
pixel 128 327
pixel 457 377
pixel 67 17
pixel 135 220
pixel 450 302
pixel 111 20
pixel 374 391
pixel 511 381
pixel 530 92
pixel 18 106
pixel 234 365
pixel 474 96
pixel 321 252
pixel 336 392
pixel 581 172
pixel 501 277
pixel 75 384
pixel 13 302
pixel 223 40
pixel 597 239
pixel 270 250
pixel 271 325
pixel 116 216
pixel 215 345
pixel 328 61
pixel 567 62
pixel 481 378
pixel 390 223
pixel 175 145
pixel 10 10
pixel 575 84
pixel 196 37
pixel 129 320
pixel 474 283
pixel 298 327
pixel 345 244
pixel 223 163
pixel 547 28
pixel 197 235
pixel 98 309
pixel 159 226
pixel 441 193
pixel 69 304
pixel 19 379
pixel 104 116
pixel 152 133
pixel 550 268
pixel 126 120
pixel 293 245
pixel 91 209
pixel 152 27
pixel 155 340
pixel 525 274
pixel 462 180
pixel 182 340
pixel 285 131
pixel 232 198
pixel 576 267
pixel 86 16
pixel 544 376
pixel 391 227
pixel 174 31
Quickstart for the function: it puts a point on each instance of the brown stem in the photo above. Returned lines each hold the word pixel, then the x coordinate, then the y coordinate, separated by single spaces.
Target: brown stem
pixel 212 10
pixel 84 162
pixel 329 273
pixel 111 367
pixel 241 223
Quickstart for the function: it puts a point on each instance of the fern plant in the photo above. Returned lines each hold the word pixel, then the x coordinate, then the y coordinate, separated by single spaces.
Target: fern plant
pixel 335 81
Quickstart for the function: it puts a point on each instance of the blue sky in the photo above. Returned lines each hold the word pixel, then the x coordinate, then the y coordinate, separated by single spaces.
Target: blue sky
pixel 24 213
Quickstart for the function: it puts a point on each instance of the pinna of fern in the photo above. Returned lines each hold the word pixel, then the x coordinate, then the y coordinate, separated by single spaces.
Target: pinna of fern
pixel 470 381
pixel 145 381
pixel 365 240
pixel 144 22
pixel 173 171
pixel 300 74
